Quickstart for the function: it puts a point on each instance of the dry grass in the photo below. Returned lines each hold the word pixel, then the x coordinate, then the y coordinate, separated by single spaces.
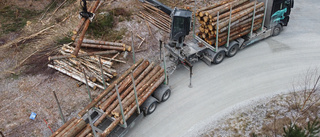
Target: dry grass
pixel 270 116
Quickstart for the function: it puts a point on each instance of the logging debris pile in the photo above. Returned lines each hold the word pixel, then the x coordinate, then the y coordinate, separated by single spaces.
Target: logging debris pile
pixel 74 67
pixel 155 16
pixel 147 77
pixel 241 20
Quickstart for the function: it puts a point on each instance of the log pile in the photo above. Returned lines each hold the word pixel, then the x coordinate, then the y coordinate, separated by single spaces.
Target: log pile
pixel 74 67
pixel 242 12
pixel 155 16
pixel 147 77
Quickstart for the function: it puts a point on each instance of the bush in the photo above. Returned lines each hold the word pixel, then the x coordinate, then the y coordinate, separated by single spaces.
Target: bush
pixel 14 19
pixel 102 28
pixel 312 129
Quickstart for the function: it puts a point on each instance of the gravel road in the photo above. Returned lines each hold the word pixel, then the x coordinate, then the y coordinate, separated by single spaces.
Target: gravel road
pixel 269 66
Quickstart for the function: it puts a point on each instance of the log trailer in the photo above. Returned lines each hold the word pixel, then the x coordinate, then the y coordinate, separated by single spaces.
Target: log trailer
pixel 275 16
pixel 121 105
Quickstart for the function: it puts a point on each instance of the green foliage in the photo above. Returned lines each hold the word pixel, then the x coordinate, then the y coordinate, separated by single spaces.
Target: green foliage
pixel 312 129
pixel 64 40
pixel 103 26
pixel 254 135
pixel 15 76
pixel 121 13
pixel 14 19
pixel 294 131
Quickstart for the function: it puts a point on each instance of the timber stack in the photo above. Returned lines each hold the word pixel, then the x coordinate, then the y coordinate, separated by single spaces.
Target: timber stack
pixel 215 19
pixel 147 78
pixel 89 63
pixel 155 16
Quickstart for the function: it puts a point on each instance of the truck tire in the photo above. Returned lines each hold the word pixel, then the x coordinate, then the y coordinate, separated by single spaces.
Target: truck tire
pixel 218 58
pixel 152 107
pixel 276 30
pixel 233 50
pixel 166 95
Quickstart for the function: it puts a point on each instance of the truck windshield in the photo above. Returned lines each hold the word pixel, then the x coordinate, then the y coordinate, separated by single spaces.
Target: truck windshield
pixel 178 25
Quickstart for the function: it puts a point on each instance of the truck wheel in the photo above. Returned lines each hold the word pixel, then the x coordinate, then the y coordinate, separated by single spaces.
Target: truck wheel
pixel 233 50
pixel 277 29
pixel 166 95
pixel 218 58
pixel 152 107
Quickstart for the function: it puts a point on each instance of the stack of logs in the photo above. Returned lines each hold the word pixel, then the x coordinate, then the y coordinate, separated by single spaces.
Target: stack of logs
pixel 74 67
pixel 147 77
pixel 155 16
pixel 241 20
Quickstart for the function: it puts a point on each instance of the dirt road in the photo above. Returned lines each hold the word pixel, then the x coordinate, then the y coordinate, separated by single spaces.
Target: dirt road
pixel 269 66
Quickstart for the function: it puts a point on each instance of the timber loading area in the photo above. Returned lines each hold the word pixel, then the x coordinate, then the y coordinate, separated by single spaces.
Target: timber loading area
pixel 224 28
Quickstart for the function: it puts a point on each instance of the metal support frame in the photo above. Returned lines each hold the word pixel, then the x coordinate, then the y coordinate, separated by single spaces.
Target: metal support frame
pixel 217 35
pixel 230 16
pixel 265 12
pixel 121 107
pixel 135 92
pixel 134 59
pixel 160 48
pixel 194 18
pixel 190 85
pixel 104 82
pixel 60 110
pixel 165 66
pixel 91 124
pixel 87 85
pixel 253 17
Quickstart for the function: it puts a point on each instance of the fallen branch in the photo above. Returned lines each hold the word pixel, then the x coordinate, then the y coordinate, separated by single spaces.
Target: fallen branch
pixel 91 84
pixel 82 55
pixel 22 39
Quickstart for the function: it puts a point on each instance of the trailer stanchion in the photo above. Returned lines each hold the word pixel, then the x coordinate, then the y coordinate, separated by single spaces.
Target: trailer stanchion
pixel 194 19
pixel 160 48
pixel 135 92
pixel 165 66
pixel 265 12
pixel 217 35
pixel 104 82
pixel 228 39
pixel 190 85
pixel 134 59
pixel 87 85
pixel 254 15
pixel 91 124
pixel 121 108
pixel 60 110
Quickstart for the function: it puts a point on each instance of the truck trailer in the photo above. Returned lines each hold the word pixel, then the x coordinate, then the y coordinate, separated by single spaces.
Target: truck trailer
pixel 276 16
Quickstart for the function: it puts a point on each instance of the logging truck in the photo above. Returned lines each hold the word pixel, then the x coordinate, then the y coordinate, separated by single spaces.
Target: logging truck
pixel 226 27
